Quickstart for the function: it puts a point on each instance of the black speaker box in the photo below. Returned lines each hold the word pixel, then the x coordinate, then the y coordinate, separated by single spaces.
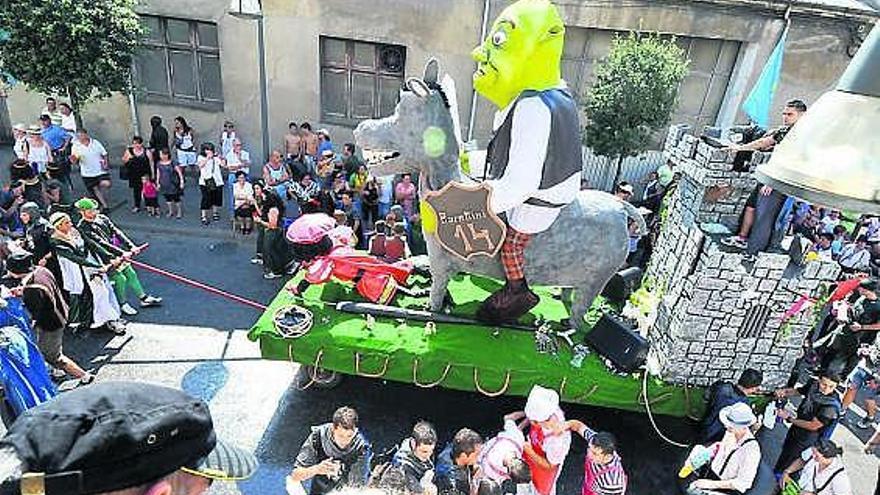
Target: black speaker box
pixel 618 342
pixel 623 284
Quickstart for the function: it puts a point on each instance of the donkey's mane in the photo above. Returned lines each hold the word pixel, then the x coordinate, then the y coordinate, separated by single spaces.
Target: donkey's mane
pixel 439 89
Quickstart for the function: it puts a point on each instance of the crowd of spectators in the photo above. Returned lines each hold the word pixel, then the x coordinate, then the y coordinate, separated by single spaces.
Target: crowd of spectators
pixel 309 176
pixel 65 258
pixel 525 456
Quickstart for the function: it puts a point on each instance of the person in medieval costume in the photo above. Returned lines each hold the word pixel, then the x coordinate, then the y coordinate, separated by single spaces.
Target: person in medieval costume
pixel 326 254
pixel 102 237
pixel 37 238
pixel 45 302
pixel 80 266
pixel 533 162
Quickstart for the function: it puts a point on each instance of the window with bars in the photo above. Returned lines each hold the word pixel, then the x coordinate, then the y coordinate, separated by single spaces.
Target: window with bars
pixel 359 80
pixel 701 93
pixel 179 62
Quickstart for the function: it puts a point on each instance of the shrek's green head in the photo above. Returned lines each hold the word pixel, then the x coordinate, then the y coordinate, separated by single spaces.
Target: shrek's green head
pixel 522 51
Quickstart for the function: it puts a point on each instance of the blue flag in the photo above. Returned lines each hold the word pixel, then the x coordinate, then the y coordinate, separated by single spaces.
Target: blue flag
pixel 759 101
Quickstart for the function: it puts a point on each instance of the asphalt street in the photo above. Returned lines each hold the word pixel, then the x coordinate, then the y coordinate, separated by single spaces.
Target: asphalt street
pixel 198 342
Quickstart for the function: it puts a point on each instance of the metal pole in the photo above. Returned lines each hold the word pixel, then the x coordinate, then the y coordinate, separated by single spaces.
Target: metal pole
pixel 132 103
pixel 264 90
pixel 473 111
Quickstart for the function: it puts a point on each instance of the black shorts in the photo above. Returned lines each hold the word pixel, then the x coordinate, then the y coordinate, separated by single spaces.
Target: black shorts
pixel 151 202
pixel 172 198
pixel 211 197
pixel 752 201
pixel 92 182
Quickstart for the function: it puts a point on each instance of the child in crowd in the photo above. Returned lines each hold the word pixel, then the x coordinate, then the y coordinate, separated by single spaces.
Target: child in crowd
pixel 377 241
pixel 396 247
pixel 150 194
pixel 227 138
pixel 840 239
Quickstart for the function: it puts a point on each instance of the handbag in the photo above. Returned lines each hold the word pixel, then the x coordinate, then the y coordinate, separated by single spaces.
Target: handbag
pixel 210 182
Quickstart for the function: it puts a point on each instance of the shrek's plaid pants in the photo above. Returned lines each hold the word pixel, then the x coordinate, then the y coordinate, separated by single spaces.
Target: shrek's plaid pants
pixel 512 253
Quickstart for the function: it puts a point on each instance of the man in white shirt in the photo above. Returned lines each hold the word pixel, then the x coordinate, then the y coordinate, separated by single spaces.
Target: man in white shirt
pixel 94 169
pixel 855 256
pixel 237 159
pixel 822 471
pixel 51 109
pixel 68 119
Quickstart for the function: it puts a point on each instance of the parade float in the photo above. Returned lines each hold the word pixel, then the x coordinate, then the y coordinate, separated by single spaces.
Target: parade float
pixel 705 312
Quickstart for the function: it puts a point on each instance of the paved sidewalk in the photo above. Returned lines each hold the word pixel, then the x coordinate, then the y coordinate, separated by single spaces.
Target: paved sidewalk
pixel 189 225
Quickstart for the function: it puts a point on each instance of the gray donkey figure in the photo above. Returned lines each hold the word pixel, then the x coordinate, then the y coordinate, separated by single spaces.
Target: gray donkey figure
pixel 582 250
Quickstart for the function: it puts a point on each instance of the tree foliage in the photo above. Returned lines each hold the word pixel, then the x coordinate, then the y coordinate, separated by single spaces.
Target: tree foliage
pixel 82 48
pixel 634 94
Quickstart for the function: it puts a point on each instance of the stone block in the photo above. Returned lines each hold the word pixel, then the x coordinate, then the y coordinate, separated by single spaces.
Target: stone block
pixel 812 269
pixel 720 363
pixel 808 285
pixel 712 283
pixel 712 273
pixel 828 271
pixel 763 346
pixel 761 273
pixel 731 261
pixel 767 286
pixel 696 326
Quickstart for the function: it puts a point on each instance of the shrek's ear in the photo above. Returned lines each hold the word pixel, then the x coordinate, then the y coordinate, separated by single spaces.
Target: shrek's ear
pixel 432 71
pixel 553 32
pixel 418 87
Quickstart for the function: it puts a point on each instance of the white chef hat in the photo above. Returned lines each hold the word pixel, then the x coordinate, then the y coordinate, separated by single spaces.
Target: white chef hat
pixel 541 404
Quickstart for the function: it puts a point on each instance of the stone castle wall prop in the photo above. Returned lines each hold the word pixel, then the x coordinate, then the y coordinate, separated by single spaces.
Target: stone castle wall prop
pixel 720 314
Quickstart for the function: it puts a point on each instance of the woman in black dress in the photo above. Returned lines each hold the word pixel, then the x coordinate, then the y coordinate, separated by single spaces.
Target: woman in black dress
pixel 138 163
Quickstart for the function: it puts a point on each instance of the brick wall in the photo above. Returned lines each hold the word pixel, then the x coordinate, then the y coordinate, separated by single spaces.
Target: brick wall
pixel 719 313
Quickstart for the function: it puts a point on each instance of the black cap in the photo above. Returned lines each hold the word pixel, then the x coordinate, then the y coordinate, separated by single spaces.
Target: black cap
pixel 19 262
pixel 117 435
pixel 868 284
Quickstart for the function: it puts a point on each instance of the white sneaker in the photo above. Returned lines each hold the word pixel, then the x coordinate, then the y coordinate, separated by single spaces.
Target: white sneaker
pixel 127 309
pixel 148 301
pixel 271 275
pixel 256 260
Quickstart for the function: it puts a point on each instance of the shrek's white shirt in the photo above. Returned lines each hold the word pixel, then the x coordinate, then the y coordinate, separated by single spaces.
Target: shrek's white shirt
pixel 530 153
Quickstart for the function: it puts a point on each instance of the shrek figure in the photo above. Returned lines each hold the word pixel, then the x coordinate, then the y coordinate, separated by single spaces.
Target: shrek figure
pixel 534 158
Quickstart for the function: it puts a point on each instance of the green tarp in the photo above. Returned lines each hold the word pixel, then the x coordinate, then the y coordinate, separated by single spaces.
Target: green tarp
pixel 462 357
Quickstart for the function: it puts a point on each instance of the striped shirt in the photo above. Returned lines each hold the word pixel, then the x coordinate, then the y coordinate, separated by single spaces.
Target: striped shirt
pixel 608 479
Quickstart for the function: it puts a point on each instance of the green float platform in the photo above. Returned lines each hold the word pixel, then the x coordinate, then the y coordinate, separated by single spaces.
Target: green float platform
pixel 462 357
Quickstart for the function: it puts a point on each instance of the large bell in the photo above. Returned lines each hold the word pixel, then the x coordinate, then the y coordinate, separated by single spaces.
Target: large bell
pixel 831 157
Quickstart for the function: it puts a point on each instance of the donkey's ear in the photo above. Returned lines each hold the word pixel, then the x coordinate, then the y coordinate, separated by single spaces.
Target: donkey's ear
pixel 418 87
pixel 432 71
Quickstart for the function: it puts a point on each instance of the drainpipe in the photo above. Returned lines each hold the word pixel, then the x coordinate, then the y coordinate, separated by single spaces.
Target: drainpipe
pixel 264 90
pixel 473 112
pixel 132 104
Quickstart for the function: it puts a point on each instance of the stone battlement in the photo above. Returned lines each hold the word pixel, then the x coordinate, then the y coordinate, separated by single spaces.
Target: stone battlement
pixel 719 313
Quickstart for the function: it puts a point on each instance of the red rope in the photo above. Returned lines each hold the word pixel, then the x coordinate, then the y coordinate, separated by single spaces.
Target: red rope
pixel 198 285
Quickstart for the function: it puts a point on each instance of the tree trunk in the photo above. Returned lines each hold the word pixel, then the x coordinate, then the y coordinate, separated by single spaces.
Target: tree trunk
pixel 617 169
pixel 76 104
